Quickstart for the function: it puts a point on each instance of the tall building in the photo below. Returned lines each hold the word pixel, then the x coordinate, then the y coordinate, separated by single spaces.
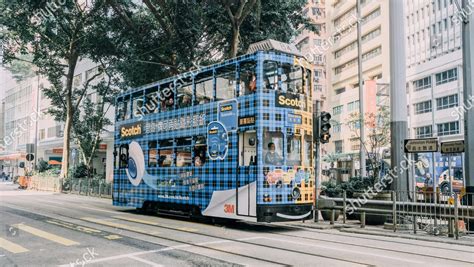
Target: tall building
pixel 311 45
pixel 434 69
pixel 342 75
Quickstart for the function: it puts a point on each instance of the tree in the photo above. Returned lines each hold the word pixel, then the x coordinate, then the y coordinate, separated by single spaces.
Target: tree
pixel 57 37
pixel 377 125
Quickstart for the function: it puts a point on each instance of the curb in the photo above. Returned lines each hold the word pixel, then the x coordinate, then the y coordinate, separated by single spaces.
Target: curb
pixel 420 238
pixel 318 226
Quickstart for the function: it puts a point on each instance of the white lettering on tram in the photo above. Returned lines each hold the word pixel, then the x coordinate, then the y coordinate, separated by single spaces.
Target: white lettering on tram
pixel 185 122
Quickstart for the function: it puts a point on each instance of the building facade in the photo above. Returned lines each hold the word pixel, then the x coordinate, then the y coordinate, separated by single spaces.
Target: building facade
pixel 434 69
pixel 343 80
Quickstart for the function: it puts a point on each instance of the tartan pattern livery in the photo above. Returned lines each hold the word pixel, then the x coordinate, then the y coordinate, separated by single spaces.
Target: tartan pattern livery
pixel 195 185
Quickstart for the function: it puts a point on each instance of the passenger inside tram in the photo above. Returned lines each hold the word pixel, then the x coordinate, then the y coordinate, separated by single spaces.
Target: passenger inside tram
pixel 272 157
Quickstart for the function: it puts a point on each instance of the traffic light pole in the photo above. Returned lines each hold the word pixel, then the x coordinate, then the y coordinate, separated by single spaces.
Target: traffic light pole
pixel 317 159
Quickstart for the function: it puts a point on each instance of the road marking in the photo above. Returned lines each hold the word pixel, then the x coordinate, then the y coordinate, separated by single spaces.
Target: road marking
pixel 340 249
pixel 145 261
pixel 118 225
pixel 46 235
pixel 74 227
pixel 186 229
pixel 101 210
pixel 134 254
pixel 12 247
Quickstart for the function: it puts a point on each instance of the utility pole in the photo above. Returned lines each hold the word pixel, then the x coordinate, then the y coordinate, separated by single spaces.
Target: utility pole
pixel 398 97
pixel 468 85
pixel 361 92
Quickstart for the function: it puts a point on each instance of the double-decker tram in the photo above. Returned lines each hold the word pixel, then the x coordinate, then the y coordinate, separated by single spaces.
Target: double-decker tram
pixel 232 140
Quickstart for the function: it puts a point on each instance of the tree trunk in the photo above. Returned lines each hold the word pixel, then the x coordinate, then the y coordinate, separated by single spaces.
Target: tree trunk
pixel 234 46
pixel 69 115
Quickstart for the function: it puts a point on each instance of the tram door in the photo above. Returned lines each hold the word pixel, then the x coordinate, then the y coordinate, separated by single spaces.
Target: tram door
pixel 247 174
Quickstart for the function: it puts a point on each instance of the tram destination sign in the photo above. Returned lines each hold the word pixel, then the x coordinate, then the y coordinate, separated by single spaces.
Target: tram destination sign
pixel 421 145
pixel 453 147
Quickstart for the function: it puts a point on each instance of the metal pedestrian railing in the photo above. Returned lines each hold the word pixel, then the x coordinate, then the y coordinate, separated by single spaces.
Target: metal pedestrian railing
pixel 441 214
pixel 89 188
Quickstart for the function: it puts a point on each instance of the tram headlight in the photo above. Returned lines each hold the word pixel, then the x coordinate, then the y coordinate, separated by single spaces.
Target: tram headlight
pixel 296 193
pixel 136 163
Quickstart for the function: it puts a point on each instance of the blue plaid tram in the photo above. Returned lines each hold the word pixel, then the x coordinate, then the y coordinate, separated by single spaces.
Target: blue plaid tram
pixel 232 140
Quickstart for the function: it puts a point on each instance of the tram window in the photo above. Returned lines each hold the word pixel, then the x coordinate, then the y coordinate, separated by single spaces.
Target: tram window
pixel 270 75
pixel 165 157
pixel 248 148
pixel 200 151
pixel 123 154
pixel 185 92
pixel 116 157
pixel 183 157
pixel 293 150
pixel 151 101
pixel 121 110
pixel 166 143
pixel 248 78
pixel 167 97
pixel 152 154
pixel 273 148
pixel 225 83
pixel 138 107
pixel 184 141
pixel 204 88
pixel 308 147
pixel 292 79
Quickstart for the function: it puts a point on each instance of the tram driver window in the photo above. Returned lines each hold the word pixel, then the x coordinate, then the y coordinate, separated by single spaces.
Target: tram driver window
pixel 273 148
pixel 200 151
pixel 293 149
pixel 292 79
pixel 270 75
pixel 248 78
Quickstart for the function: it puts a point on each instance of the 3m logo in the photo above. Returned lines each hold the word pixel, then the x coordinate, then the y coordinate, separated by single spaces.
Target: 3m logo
pixel 229 208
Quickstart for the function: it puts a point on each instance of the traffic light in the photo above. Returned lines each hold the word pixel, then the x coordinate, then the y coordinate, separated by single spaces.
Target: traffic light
pixel 324 127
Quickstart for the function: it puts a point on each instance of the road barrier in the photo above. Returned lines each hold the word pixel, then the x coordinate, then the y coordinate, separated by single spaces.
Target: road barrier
pixel 441 214
pixel 44 183
pixel 87 187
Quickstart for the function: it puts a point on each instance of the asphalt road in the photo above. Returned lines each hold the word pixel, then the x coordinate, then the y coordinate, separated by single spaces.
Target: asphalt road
pixel 46 229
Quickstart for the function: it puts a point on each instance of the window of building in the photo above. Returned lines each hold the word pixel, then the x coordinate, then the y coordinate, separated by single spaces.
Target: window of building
pixel 423 107
pixel 338 145
pixel 448 128
pixel 293 150
pixel 337 128
pixel 446 76
pixel 422 84
pixel 42 134
pixel 447 102
pixel 353 106
pixel 273 148
pixel 424 131
pixel 337 110
pixel 340 90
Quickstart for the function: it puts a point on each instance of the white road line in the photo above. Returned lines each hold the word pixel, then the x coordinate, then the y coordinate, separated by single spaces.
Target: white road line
pixel 145 261
pixel 164 249
pixel 343 250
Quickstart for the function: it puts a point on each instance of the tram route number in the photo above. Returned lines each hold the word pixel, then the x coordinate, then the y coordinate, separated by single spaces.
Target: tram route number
pixel 229 208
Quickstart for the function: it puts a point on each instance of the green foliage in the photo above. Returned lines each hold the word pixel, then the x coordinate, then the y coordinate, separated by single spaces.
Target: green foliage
pixel 331 189
pixel 43 166
pixel 80 171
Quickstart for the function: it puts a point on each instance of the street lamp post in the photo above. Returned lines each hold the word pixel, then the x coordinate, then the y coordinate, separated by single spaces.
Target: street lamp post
pixel 361 91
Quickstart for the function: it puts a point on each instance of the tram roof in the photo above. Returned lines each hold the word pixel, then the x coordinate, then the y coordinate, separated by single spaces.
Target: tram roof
pixel 208 68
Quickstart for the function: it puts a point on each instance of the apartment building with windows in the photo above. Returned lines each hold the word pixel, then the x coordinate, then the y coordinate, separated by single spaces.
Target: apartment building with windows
pixel 434 69
pixel 343 80
pixel 311 46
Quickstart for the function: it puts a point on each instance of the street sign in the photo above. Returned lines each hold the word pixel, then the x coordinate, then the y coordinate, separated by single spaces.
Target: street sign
pixel 30 157
pixel 453 147
pixel 421 145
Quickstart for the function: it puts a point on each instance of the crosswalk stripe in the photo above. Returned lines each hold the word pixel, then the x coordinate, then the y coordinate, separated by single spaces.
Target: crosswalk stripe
pixel 186 229
pixel 118 225
pixel 12 247
pixel 46 235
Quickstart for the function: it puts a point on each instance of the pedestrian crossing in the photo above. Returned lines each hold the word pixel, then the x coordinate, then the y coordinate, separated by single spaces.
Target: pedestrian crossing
pixel 8 244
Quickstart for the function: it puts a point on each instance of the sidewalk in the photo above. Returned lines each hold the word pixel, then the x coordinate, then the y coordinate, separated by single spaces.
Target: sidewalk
pixel 353 227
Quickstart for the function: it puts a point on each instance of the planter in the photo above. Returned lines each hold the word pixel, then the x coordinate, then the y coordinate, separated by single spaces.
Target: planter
pixel 326 214
pixel 374 219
